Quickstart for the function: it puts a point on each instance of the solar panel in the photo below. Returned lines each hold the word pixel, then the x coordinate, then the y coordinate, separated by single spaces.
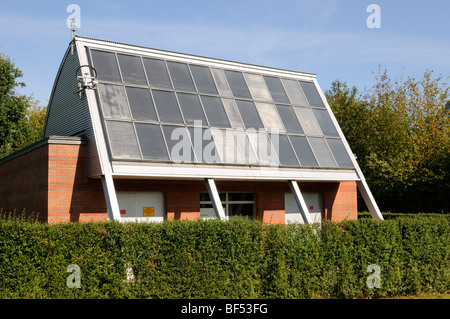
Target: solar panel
pixel 159 109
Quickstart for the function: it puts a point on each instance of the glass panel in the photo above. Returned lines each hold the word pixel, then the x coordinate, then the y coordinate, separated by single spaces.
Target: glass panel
pixel 191 108
pixel 249 114
pixel 221 82
pixel 303 151
pixel 167 106
pixel 270 117
pixel 311 94
pixel 227 146
pixel 237 84
pixel 114 102
pixel 241 210
pixel 132 71
pixel 232 197
pixel 157 73
pixel 105 64
pixel 284 150
pixel 233 113
pixel 289 119
pixel 263 147
pixel 181 77
pixel 203 79
pixel 215 111
pixel 325 122
pixel 257 87
pixel 276 89
pixel 151 141
pixel 323 154
pixel 178 144
pixel 245 147
pixel 207 211
pixel 294 92
pixel 340 153
pixel 123 140
pixel 204 197
pixel 308 120
pixel 141 104
pixel 204 146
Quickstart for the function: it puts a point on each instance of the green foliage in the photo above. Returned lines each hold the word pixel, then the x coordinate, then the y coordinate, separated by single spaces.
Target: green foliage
pixel 21 120
pixel 400 133
pixel 234 259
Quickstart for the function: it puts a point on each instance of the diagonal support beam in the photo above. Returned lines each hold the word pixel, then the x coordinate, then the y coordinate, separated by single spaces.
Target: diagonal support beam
pixel 369 199
pixel 214 195
pixel 111 197
pixel 300 202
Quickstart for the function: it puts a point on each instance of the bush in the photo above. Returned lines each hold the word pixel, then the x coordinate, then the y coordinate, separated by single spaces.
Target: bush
pixel 233 259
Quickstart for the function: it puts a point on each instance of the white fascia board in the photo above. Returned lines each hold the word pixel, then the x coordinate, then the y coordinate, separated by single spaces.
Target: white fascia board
pixel 187 58
pixel 94 110
pixel 186 171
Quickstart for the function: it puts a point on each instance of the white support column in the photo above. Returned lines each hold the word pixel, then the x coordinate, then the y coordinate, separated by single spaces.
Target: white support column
pixel 300 202
pixel 214 195
pixel 111 197
pixel 369 199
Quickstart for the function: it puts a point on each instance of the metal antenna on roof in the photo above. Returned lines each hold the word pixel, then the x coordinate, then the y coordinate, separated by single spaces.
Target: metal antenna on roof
pixel 73 30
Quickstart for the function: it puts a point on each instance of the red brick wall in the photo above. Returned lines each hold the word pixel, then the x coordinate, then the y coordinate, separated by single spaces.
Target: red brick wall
pixel 23 184
pixel 73 196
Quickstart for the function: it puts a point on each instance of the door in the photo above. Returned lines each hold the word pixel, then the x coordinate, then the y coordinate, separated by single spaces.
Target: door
pixel 148 206
pixel 313 202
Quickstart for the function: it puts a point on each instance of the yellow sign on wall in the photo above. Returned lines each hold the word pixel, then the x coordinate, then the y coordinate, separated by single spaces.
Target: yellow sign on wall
pixel 148 211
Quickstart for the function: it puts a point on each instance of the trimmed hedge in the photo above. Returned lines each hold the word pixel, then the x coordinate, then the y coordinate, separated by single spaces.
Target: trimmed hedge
pixel 234 259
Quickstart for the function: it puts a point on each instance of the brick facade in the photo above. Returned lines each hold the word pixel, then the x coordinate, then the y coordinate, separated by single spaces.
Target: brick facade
pixel 51 180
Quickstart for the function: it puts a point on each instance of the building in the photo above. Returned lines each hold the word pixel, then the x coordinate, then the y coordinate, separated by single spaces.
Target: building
pixel 137 133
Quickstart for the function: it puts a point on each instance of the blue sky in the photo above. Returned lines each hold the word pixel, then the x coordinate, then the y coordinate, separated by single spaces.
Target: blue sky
pixel 328 37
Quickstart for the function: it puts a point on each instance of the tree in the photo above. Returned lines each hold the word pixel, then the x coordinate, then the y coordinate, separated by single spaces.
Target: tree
pixel 400 133
pixel 20 117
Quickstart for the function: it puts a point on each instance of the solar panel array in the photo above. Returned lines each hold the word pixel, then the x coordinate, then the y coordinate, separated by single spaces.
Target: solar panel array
pixel 166 111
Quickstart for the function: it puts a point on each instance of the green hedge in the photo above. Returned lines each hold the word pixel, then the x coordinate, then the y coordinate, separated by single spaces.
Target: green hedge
pixel 234 259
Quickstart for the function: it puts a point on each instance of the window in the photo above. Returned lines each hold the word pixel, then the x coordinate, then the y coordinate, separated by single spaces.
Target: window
pixel 289 119
pixel 235 205
pixel 141 104
pixel 276 89
pixel 157 73
pixel 151 141
pixel 132 71
pixel 311 93
pixel 323 153
pixel 249 114
pixel 203 79
pixel 270 117
pixel 237 84
pixel 325 122
pixel 122 140
pixel 181 77
pixel 191 108
pixel 215 111
pixel 105 64
pixel 294 92
pixel 257 87
pixel 167 106
pixel 113 101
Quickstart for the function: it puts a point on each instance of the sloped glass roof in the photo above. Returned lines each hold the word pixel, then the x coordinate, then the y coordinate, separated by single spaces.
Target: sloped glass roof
pixel 161 110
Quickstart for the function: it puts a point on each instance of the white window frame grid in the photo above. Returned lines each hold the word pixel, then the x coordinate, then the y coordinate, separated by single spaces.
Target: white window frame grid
pixel 227 202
